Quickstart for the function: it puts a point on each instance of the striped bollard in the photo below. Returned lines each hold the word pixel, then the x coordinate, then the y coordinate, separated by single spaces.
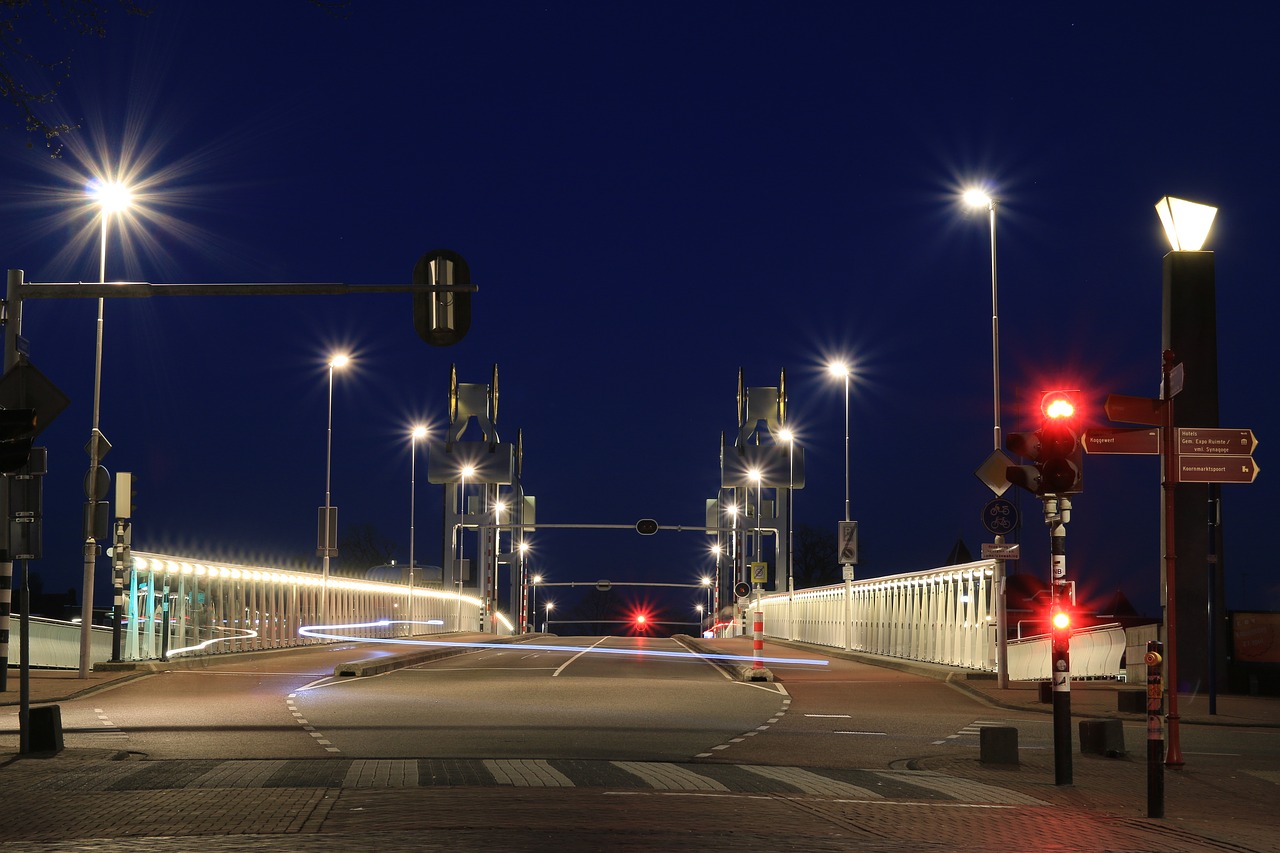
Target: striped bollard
pixel 757 642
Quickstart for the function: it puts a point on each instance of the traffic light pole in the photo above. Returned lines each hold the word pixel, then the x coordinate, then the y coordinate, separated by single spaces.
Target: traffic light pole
pixel 1057 512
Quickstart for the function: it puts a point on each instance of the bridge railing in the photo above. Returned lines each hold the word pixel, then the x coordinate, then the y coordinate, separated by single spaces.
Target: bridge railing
pixel 945 616
pixel 226 607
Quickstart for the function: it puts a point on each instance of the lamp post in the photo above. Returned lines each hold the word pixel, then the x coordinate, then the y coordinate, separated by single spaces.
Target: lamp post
pixel 467 471
pixel 1189 336
pixel 337 362
pixel 548 607
pixel 790 438
pixel 537 579
pixel 417 433
pixel 758 549
pixel 111 197
pixel 840 369
pixel 706 582
pixel 978 199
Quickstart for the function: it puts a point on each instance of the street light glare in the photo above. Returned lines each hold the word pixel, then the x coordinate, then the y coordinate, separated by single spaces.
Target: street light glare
pixel 838 368
pixel 419 432
pixel 468 471
pixel 340 361
pixel 111 196
pixel 977 198
pixel 1186 223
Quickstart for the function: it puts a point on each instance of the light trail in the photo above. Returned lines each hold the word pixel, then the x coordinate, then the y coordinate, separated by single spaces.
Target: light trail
pixel 322 632
pixel 244 633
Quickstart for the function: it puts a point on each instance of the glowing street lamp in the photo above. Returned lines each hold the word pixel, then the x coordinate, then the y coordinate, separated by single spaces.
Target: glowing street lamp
pixel 329 519
pixel 547 608
pixel 756 478
pixel 110 197
pixel 533 598
pixel 1186 223
pixel 706 581
pixel 418 432
pixel 977 198
pixel 840 369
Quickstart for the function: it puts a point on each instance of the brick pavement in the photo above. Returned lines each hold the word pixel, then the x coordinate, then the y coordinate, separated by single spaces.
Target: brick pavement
pixel 97 804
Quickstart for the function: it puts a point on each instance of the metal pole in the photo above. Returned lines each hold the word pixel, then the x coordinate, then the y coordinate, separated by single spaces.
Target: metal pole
pixel 413 461
pixel 91 545
pixel 791 549
pixel 1056 515
pixel 328 471
pixel 1174 758
pixel 1002 617
pixel 846 445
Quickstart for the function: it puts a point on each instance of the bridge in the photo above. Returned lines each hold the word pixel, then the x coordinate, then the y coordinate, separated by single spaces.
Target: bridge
pixel 177 606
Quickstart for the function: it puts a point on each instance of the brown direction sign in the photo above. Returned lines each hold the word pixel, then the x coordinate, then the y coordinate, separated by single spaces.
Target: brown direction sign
pixel 1145 442
pixel 1216 469
pixel 1193 441
pixel 1134 410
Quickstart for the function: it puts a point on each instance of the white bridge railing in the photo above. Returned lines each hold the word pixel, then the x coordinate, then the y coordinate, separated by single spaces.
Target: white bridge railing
pixel 945 616
pixel 226 607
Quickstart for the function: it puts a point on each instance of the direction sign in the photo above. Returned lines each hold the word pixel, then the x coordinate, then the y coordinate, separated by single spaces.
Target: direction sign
pixel 992 551
pixel 1214 442
pixel 1216 469
pixel 1134 410
pixel 1144 442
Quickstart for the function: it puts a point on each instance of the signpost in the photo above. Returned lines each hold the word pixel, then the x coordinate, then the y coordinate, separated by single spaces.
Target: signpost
pixel 1142 442
pixel 1216 469
pixel 1001 551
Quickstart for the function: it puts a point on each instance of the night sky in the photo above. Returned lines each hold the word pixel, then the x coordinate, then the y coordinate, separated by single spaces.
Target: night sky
pixel 650 196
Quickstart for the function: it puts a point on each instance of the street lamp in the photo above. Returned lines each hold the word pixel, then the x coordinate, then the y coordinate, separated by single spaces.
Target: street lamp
pixel 840 369
pixel 548 607
pixel 978 199
pixel 467 471
pixel 419 431
pixel 706 582
pixel 110 197
pixel 336 362
pixel 537 579
pixel 754 474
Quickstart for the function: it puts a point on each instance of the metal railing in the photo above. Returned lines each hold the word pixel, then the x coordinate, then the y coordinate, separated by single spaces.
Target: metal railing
pixel 215 607
pixel 945 616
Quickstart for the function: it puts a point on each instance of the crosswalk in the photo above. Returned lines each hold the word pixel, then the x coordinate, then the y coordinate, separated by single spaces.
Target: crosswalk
pixel 832 783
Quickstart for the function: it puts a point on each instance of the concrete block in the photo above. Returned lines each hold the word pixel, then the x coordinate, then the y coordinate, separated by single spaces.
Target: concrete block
pixel 1131 701
pixel 1102 737
pixel 998 745
pixel 45 729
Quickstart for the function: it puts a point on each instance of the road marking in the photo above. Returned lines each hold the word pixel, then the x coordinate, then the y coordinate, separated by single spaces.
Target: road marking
pixel 836 716
pixel 861 733
pixel 811 783
pixel 578 655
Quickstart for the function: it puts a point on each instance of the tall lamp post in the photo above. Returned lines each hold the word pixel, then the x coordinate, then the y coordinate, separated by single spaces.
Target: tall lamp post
pixel 111 197
pixel 537 579
pixel 467 471
pixel 978 199
pixel 840 369
pixel 418 432
pixel 548 607
pixel 328 519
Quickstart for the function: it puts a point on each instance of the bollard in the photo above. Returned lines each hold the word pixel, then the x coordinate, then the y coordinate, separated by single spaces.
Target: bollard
pixel 45 729
pixel 1102 737
pixel 1155 731
pixel 998 745
pixel 757 641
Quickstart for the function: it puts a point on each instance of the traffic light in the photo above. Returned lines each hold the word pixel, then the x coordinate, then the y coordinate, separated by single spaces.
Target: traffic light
pixel 1060 630
pixel 17 431
pixel 1054 449
pixel 442 318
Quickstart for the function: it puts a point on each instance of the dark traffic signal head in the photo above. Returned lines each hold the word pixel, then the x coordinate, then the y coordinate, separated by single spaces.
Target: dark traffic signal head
pixel 17 431
pixel 1054 449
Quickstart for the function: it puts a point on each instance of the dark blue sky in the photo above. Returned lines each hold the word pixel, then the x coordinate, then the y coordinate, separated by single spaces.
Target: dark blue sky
pixel 650 196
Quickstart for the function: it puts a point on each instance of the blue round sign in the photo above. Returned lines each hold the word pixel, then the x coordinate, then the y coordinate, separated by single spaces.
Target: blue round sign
pixel 1000 516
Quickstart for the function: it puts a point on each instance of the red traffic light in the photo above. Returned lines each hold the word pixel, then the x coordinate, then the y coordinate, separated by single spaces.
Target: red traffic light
pixel 1061 620
pixel 641 618
pixel 1058 405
